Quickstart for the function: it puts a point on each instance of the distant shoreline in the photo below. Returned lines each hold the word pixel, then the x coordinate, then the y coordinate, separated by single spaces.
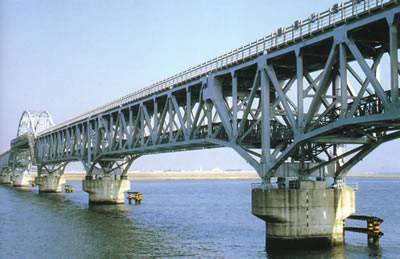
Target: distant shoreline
pixel 208 175
pixel 375 175
pixel 172 175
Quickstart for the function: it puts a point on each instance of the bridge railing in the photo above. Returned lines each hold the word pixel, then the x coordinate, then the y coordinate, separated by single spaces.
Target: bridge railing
pixel 300 29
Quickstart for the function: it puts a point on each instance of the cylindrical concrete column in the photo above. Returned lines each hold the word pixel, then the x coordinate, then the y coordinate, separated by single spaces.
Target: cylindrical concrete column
pixel 20 180
pixel 106 189
pixel 307 215
pixel 5 179
pixel 50 183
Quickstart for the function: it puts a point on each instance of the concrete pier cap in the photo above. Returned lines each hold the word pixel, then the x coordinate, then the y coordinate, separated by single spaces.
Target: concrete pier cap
pixel 50 183
pixel 20 179
pixel 5 179
pixel 106 189
pixel 303 213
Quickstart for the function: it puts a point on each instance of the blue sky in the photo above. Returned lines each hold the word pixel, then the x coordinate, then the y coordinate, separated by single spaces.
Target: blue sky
pixel 70 56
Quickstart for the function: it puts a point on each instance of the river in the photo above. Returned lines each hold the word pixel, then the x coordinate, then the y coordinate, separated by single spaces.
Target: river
pixel 202 218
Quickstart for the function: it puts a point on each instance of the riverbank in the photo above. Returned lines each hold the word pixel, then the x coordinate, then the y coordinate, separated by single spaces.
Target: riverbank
pixel 206 175
pixel 181 175
pixel 375 175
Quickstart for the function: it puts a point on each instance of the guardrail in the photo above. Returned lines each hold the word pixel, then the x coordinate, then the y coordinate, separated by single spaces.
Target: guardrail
pixel 317 22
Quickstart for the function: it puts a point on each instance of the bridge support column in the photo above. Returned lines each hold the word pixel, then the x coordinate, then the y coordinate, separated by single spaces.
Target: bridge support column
pixel 106 189
pixel 5 179
pixel 50 183
pixel 20 180
pixel 303 214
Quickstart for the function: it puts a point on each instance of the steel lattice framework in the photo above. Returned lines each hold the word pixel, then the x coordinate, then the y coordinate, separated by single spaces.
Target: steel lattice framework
pixel 34 122
pixel 21 155
pixel 295 96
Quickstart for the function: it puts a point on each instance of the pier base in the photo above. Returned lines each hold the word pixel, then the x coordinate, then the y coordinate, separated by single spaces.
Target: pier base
pixel 373 241
pixel 20 180
pixel 5 179
pixel 50 183
pixel 310 215
pixel 106 190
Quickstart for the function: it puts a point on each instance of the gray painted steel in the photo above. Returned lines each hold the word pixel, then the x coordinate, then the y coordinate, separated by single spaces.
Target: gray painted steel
pixel 296 95
pixel 4 158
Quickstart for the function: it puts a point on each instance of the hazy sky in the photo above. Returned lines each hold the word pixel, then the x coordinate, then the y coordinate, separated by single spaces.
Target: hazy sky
pixel 67 57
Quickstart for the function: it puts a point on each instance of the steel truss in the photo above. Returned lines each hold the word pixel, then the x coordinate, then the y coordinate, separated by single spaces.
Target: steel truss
pixel 299 103
pixel 22 152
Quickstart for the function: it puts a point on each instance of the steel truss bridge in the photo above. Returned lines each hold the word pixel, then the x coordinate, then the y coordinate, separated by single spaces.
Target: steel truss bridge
pixel 294 97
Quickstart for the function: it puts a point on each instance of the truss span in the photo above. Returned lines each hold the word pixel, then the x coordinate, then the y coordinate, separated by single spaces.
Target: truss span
pixel 292 102
pixel 313 25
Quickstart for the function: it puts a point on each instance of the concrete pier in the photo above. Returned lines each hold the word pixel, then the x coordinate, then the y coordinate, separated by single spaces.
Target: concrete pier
pixel 307 215
pixel 106 189
pixel 50 183
pixel 20 180
pixel 5 179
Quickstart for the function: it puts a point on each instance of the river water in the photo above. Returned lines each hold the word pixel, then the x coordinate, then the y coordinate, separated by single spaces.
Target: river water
pixel 175 219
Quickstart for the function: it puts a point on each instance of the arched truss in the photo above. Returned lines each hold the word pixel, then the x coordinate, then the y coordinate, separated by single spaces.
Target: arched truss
pixel 34 122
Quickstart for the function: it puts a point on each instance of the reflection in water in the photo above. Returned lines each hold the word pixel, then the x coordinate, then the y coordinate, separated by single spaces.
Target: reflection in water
pixel 67 228
pixel 111 232
pixel 375 252
pixel 19 189
pixel 337 252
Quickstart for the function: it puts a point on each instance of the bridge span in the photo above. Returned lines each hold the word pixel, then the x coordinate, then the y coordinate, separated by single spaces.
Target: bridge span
pixel 301 105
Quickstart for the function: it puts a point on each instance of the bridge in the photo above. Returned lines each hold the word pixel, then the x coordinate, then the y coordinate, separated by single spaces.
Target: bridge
pixel 301 105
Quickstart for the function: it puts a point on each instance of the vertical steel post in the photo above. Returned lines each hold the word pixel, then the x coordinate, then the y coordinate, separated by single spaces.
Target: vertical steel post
pixel 131 128
pixel 209 117
pixel 141 124
pixel 234 106
pixel 110 133
pixel 300 92
pixel 188 112
pixel 97 138
pixel 89 140
pixel 265 119
pixel 394 71
pixel 171 118
pixel 155 121
pixel 343 77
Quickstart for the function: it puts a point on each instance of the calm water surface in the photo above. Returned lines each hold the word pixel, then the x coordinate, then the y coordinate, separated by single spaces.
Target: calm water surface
pixel 175 219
